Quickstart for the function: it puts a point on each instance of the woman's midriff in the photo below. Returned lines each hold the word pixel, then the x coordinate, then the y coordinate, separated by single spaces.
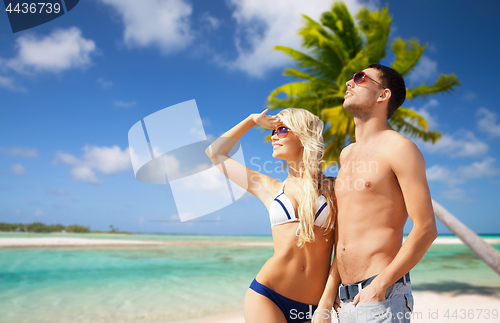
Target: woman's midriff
pixel 298 273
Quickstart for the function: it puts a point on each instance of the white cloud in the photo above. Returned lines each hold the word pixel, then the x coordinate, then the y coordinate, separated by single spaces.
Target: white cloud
pixel 487 122
pixel 462 144
pixel 161 23
pixel 9 83
pixel 174 171
pixel 66 158
pixel 469 96
pixel 123 104
pixel 62 49
pixel 84 173
pixel 204 182
pixel 209 182
pixel 263 24
pixel 20 152
pixel 486 168
pixel 104 84
pixel 457 194
pixel 18 169
pixel 459 175
pixel 209 20
pixel 424 112
pixel 107 160
pixel 171 165
pixel 38 212
pixel 438 173
pixel 425 69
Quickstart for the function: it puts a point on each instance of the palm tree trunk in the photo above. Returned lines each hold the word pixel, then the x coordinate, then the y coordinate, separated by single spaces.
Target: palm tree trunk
pixel 481 248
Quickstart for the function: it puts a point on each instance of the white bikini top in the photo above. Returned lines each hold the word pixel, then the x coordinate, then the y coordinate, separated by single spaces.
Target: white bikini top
pixel 281 210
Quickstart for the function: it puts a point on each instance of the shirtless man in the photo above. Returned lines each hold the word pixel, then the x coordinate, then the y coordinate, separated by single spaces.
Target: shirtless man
pixel 381 182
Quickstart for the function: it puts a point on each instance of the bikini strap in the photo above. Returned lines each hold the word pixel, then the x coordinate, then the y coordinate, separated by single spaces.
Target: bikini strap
pixel 281 191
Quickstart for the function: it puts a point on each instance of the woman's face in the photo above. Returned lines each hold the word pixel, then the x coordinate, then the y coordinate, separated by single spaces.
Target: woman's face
pixel 287 148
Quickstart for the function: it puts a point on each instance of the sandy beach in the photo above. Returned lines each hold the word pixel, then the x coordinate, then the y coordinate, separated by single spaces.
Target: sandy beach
pixel 84 242
pixel 429 307
pixel 45 242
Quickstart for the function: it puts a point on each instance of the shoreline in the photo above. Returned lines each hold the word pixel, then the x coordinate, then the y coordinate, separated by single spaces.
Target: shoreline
pixel 50 242
pixel 54 242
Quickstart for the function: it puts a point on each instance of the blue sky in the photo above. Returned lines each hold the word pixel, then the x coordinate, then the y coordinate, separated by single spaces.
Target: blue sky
pixel 72 88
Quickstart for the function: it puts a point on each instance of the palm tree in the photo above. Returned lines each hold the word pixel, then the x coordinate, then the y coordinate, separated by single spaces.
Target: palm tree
pixel 336 49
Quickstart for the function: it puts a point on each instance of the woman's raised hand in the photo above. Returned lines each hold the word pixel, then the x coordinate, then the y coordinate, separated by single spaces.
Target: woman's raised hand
pixel 269 122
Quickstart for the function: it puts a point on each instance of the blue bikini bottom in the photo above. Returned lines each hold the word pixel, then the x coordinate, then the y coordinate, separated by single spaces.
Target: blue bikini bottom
pixel 295 312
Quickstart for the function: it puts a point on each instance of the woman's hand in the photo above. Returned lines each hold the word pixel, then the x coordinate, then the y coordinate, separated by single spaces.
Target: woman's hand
pixel 269 122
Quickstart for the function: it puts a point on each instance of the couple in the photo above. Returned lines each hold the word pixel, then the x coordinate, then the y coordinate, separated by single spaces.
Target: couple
pixel 361 213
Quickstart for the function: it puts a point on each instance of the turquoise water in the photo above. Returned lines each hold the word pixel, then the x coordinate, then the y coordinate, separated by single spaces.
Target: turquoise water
pixel 153 237
pixel 169 284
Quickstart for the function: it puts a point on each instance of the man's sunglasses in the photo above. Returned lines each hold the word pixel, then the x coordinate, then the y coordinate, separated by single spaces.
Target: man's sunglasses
pixel 359 77
pixel 282 132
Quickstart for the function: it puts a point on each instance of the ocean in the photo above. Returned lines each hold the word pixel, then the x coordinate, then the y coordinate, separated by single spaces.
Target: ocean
pixel 171 284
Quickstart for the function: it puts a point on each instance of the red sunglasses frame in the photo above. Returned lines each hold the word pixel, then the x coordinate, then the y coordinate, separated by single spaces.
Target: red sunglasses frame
pixel 279 130
pixel 353 77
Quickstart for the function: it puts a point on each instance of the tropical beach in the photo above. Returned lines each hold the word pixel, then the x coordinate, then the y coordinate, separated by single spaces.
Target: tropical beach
pixel 197 278
pixel 100 218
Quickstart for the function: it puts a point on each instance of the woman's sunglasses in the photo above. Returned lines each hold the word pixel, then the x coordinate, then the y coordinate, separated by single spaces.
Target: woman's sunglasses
pixel 359 77
pixel 282 132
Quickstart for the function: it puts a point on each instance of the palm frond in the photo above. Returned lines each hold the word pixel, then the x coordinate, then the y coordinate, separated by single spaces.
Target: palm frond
pixel 407 55
pixel 302 75
pixel 292 90
pixel 358 63
pixel 413 117
pixel 326 46
pixel 341 23
pixel 406 122
pixel 303 60
pixel 339 128
pixel 376 26
pixel 444 84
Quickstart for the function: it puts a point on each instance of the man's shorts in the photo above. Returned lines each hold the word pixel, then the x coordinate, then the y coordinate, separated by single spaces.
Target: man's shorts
pixel 396 308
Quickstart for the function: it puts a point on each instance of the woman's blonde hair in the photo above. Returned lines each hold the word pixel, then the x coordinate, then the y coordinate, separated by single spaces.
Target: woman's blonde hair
pixel 309 129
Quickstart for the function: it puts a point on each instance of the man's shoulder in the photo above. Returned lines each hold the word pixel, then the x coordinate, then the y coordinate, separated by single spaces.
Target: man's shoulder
pixel 400 151
pixel 396 143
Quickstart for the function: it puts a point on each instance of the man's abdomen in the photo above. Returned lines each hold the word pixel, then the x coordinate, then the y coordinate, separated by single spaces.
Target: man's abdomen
pixel 368 254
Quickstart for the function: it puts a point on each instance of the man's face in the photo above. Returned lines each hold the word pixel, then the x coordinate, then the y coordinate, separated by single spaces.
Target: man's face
pixel 360 98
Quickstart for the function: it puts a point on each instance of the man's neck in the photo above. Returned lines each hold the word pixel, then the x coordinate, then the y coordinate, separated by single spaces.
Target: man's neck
pixel 368 129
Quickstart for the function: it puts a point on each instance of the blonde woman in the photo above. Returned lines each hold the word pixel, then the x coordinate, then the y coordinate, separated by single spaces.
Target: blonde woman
pixel 302 211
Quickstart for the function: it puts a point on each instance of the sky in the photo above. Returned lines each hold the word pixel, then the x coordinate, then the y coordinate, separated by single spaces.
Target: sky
pixel 72 88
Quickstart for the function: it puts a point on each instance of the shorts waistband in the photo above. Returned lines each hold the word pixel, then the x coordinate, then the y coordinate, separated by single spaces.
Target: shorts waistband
pixel 350 291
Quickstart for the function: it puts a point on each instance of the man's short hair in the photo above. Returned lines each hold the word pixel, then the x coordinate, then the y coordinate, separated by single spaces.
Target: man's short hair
pixel 392 80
